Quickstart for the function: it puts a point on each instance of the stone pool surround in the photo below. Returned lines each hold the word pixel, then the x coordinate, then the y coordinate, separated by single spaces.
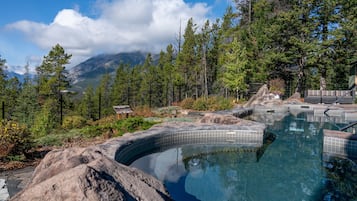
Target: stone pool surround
pixel 57 172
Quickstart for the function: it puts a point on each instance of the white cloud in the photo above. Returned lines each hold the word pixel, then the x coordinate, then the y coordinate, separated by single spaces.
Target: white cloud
pixel 121 26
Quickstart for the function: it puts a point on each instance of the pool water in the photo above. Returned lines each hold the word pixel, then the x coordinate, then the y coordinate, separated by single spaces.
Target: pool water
pixel 288 168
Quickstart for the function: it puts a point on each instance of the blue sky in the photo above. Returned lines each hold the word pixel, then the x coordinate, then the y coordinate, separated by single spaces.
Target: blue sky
pixel 30 28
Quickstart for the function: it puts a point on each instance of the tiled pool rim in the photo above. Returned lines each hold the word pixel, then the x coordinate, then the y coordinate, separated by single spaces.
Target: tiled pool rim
pixel 172 134
pixel 338 143
pixel 163 141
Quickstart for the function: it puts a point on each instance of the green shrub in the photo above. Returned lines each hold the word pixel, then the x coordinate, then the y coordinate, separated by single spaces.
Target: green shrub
pixel 220 103
pixel 122 126
pixel 213 103
pixel 132 124
pixel 201 104
pixel 58 137
pixel 94 131
pixel 70 122
pixel 45 120
pixel 15 139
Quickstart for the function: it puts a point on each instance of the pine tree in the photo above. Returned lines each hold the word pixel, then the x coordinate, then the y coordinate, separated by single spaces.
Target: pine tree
pixel 325 15
pixel 235 69
pixel 169 74
pixel 204 45
pixel 52 79
pixel 186 59
pixel 121 86
pixel 27 102
pixel 344 43
pixel 12 91
pixel 87 107
pixel 135 97
pixel 52 73
pixel 212 59
pixel 103 97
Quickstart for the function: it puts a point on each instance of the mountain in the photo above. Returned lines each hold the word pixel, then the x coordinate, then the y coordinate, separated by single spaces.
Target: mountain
pixel 90 71
pixel 21 77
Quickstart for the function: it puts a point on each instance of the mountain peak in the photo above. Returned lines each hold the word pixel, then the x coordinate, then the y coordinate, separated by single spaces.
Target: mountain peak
pixel 91 70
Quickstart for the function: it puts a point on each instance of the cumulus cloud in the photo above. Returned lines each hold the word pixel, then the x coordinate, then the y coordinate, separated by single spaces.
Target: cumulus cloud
pixel 121 26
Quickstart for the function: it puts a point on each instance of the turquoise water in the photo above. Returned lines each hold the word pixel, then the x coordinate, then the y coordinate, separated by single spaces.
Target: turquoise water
pixel 290 167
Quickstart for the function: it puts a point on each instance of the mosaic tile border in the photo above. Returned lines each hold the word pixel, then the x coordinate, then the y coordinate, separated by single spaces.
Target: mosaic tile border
pixel 340 144
pixel 163 141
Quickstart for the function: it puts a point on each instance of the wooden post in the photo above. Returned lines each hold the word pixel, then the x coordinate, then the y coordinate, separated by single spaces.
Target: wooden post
pixel 3 110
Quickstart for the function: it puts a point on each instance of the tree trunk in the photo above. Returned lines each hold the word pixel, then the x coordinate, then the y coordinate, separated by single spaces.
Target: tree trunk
pixel 237 96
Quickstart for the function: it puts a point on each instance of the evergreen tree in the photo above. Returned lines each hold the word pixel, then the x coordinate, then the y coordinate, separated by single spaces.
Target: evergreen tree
pixel 186 59
pixel 27 102
pixel 87 107
pixel 204 45
pixel 121 86
pixel 103 97
pixel 325 14
pixel 292 55
pixel 52 79
pixel 213 59
pixel 135 86
pixel 225 33
pixel 169 75
pixel 344 43
pixel 12 93
pixel 235 69
pixel 52 74
pixel 147 82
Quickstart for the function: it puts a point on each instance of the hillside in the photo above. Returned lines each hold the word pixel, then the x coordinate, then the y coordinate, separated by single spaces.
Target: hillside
pixel 90 71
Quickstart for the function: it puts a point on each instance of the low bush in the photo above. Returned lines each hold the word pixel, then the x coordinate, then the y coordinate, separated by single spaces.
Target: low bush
pixel 143 111
pixel 220 103
pixel 132 124
pixel 15 139
pixel 70 122
pixel 187 103
pixel 119 127
pixel 58 137
pixel 201 104
pixel 213 103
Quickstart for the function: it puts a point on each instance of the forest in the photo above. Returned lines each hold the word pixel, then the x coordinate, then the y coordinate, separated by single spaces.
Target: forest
pixel 292 45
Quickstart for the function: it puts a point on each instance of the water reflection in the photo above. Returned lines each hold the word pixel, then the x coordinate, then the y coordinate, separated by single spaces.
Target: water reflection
pixel 290 168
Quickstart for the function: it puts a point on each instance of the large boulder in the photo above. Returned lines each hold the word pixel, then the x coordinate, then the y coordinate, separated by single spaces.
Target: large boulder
pixel 88 174
pixel 264 97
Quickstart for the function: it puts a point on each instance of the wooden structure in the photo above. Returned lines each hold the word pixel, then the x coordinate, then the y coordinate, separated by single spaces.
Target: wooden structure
pixel 122 110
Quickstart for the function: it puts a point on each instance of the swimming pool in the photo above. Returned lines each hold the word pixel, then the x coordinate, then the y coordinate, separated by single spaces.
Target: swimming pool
pixel 288 168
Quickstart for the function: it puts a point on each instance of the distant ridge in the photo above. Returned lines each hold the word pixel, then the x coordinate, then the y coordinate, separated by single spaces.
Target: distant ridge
pixel 89 72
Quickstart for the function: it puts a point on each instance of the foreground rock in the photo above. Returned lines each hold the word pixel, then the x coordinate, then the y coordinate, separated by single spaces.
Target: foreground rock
pixel 87 174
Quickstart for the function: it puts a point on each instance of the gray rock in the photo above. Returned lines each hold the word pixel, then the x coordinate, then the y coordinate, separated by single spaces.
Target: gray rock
pixel 87 174
pixel 4 194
